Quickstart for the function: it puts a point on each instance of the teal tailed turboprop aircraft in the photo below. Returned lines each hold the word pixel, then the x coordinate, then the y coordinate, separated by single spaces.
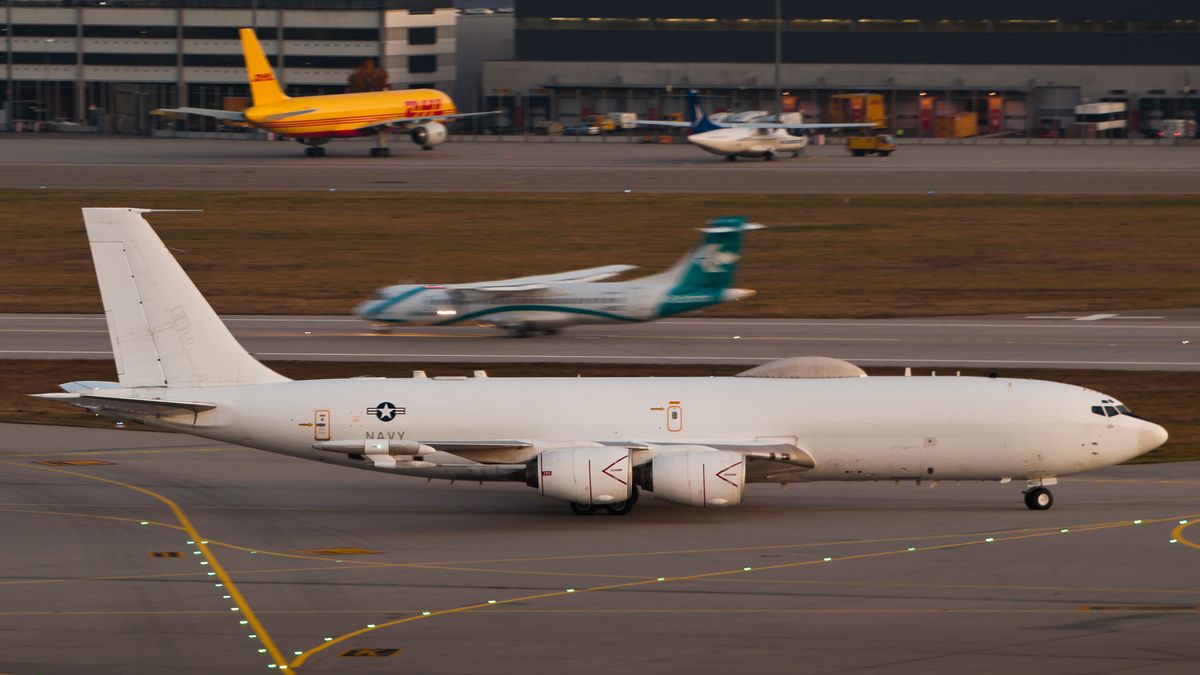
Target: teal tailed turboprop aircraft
pixel 549 302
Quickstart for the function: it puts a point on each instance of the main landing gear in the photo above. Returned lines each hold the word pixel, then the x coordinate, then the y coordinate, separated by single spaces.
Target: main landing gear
pixel 614 509
pixel 1039 499
pixel 314 151
pixel 381 148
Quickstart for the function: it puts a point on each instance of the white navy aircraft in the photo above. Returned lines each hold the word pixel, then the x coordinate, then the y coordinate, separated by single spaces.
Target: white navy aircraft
pixel 743 139
pixel 590 442
pixel 549 302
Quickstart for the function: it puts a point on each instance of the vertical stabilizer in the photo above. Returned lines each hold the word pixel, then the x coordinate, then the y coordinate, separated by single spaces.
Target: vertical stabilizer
pixel 704 276
pixel 696 114
pixel 163 332
pixel 264 88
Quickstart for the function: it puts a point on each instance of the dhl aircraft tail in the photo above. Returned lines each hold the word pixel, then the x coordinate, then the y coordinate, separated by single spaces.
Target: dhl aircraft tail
pixel 264 88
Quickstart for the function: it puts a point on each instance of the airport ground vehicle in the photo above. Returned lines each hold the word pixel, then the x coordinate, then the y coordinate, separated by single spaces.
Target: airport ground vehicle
pixel 877 144
pixel 582 129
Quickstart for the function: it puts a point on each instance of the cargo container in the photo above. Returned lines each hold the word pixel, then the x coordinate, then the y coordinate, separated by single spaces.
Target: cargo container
pixel 857 108
pixel 959 125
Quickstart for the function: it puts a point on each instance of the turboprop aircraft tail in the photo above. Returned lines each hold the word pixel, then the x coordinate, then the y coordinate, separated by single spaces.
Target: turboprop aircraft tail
pixel 704 276
pixel 264 88
pixel 696 114
pixel 163 331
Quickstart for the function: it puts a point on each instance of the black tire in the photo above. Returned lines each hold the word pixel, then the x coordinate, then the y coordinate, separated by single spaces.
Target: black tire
pixel 730 158
pixel 583 509
pixel 622 508
pixel 859 153
pixel 884 153
pixel 768 157
pixel 1039 499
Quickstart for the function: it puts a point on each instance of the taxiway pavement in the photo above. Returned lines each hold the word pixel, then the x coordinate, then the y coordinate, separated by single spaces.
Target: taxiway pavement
pixel 1128 340
pixel 174 554
pixel 509 164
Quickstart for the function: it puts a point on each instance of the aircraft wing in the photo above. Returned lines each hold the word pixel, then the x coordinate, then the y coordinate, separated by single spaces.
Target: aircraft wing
pixel 662 123
pixel 406 121
pixel 228 115
pixel 777 125
pixel 542 281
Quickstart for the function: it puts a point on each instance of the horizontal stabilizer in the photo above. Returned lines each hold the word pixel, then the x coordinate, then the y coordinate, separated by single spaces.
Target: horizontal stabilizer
pixel 127 405
pixel 716 229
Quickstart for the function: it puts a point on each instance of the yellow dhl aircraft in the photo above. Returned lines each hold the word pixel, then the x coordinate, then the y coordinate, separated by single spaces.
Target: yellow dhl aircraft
pixel 313 120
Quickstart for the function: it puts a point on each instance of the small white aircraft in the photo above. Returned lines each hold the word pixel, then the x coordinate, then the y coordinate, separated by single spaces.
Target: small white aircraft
pixel 547 303
pixel 591 442
pixel 743 139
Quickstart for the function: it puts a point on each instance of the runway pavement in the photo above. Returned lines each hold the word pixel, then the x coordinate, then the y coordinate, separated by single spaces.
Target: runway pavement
pixel 505 164
pixel 1130 340
pixel 163 553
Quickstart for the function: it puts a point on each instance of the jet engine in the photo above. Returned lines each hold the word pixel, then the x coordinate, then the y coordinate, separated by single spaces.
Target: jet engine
pixel 428 134
pixel 599 475
pixel 696 477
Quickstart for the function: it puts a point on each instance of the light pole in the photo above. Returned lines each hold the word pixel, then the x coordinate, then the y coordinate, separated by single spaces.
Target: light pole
pixel 8 68
pixel 778 54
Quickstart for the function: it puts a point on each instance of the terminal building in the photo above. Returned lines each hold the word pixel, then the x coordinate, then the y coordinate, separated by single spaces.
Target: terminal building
pixel 1019 66
pixel 108 63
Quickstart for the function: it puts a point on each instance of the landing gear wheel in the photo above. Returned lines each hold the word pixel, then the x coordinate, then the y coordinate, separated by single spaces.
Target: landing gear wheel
pixel 768 157
pixel 1039 499
pixel 519 330
pixel 622 508
pixel 381 152
pixel 314 151
pixel 730 158
pixel 583 509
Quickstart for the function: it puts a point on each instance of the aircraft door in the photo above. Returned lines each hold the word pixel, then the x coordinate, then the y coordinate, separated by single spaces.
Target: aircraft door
pixel 675 416
pixel 321 430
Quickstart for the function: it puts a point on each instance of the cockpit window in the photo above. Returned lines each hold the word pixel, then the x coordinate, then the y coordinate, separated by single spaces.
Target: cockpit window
pixel 1111 410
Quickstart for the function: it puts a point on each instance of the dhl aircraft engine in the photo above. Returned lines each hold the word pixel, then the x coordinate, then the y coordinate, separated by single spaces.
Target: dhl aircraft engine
pixel 604 476
pixel 428 134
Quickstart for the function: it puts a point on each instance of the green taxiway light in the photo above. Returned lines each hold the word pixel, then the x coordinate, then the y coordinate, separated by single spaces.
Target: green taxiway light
pixel 297 653
pixel 1064 530
pixel 912 548
pixel 212 574
pixel 1174 541
pixel 243 622
pixel 1183 522
pixel 370 625
pixel 828 559
pixel 218 585
pixel 570 590
pixel 662 578
pixel 1138 521
pixel 252 636
pixel 329 639
pixel 491 602
pixel 262 651
pixel 745 569
pixel 989 540
pixel 191 542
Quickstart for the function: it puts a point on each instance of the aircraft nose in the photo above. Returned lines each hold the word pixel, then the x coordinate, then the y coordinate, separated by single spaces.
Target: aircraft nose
pixel 698 139
pixel 363 309
pixel 1150 436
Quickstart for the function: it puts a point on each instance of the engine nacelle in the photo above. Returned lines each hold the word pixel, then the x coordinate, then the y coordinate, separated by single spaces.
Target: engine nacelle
pixel 428 134
pixel 600 475
pixel 697 477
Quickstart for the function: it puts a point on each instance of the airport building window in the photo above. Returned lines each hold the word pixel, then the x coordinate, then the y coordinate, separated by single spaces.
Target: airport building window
pixel 149 60
pixel 340 62
pixel 422 36
pixel 332 34
pixel 954 26
pixel 42 58
pixel 41 30
pixel 213 60
pixel 424 63
pixel 153 32
pixel 224 33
